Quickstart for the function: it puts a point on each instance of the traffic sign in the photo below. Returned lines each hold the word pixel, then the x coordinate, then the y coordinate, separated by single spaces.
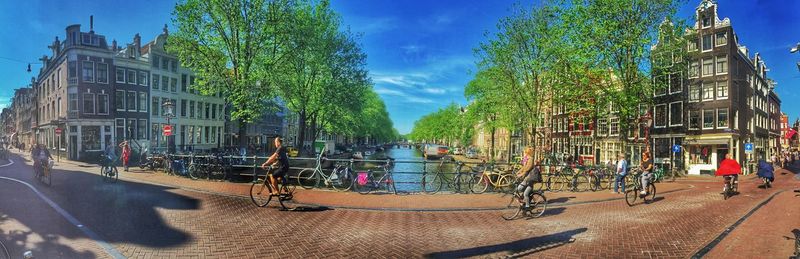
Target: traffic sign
pixel 167 130
pixel 58 131
pixel 748 148
pixel 676 148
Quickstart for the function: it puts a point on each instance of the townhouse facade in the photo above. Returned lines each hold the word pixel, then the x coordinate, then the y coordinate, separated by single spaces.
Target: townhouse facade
pixel 23 107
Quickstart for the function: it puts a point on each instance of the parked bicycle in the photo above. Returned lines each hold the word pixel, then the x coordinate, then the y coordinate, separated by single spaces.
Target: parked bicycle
pixel 368 181
pixel 108 170
pixel 261 191
pixel 516 207
pixel 497 178
pixel 341 178
pixel 433 182
pixel 634 189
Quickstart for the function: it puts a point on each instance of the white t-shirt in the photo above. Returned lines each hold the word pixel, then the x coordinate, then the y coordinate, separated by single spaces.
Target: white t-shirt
pixel 622 166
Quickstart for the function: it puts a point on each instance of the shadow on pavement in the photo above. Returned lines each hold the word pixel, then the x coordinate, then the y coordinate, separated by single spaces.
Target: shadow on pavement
pixel 516 248
pixel 560 200
pixel 121 212
pixel 553 211
pixel 310 208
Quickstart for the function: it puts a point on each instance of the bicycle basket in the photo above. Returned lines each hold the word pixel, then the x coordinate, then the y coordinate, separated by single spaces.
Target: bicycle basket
pixel 362 178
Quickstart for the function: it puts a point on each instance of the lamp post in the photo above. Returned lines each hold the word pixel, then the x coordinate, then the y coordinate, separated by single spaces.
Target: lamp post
pixel 169 114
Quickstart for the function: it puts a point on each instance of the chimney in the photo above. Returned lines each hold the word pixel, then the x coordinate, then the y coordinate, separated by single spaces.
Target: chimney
pixel 114 45
pixel 137 42
pixel 91 23
pixel 166 31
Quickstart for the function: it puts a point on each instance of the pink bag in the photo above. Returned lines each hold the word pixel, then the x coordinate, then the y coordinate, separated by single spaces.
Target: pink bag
pixel 362 178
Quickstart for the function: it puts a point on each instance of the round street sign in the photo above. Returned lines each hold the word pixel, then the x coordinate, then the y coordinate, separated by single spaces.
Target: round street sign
pixel 58 131
pixel 167 130
pixel 676 148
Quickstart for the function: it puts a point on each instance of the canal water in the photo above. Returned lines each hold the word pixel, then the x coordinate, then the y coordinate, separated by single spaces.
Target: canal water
pixel 408 168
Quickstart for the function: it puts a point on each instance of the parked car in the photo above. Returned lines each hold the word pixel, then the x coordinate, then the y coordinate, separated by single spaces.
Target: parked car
pixel 458 151
pixel 292 151
pixel 432 151
pixel 471 154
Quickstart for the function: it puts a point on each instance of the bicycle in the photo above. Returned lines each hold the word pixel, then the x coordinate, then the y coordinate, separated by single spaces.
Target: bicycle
pixel 341 178
pixel 497 178
pixel 108 170
pixel 433 182
pixel 580 181
pixel 731 186
pixel 516 207
pixel 44 171
pixel 658 173
pixel 366 183
pixel 633 192
pixel 560 178
pixel 796 238
pixel 261 191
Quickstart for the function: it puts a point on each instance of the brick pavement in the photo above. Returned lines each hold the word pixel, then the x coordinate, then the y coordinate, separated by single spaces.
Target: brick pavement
pixel 143 220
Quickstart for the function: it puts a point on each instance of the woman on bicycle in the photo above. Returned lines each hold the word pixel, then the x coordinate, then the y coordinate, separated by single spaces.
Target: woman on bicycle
pixel 647 168
pixel 529 175
pixel 126 153
pixel 729 168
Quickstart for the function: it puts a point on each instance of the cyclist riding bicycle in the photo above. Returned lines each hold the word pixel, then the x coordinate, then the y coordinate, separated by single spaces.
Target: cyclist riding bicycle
pixel 40 156
pixel 729 169
pixel 647 169
pixel 281 159
pixel 109 154
pixel 529 174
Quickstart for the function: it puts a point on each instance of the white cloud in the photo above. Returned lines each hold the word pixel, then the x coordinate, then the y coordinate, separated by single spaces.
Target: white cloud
pixel 396 95
pixel 372 25
pixel 434 90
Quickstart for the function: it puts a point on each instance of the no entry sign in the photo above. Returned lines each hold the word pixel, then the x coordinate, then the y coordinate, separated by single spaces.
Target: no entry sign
pixel 168 130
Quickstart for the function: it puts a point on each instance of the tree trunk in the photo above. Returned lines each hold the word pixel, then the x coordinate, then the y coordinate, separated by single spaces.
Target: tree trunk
pixel 301 134
pixel 242 135
pixel 491 147
pixel 510 150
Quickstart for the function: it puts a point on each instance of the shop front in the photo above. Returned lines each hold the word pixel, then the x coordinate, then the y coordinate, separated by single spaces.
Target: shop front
pixel 704 153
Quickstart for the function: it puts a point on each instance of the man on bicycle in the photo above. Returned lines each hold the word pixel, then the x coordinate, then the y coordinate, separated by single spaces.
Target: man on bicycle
pixel 529 174
pixel 40 156
pixel 647 168
pixel 281 158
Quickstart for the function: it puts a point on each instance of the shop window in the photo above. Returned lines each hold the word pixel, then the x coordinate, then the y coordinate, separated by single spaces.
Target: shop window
pixel 90 138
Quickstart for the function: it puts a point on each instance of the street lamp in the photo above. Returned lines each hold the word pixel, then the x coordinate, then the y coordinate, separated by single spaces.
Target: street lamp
pixel 169 114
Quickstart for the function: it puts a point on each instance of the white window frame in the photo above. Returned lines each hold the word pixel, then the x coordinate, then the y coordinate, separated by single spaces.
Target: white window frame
pixel 716 62
pixel 698 69
pixel 703 91
pixel 108 100
pixel 711 36
pixel 96 73
pixel 728 119
pixel 679 76
pixel 135 101
pixel 610 123
pixel 655 116
pixel 146 80
pixel 94 102
pixel 670 114
pixel 116 76
pixel 124 99
pixel 699 93
pixel 695 42
pixel 139 101
pixel 703 118
pixel 699 119
pixel 703 67
pixel 655 80
pixel 135 77
pixel 724 42
pixel 727 91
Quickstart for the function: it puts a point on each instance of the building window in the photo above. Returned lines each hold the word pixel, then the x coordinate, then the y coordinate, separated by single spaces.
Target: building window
pixel 165 63
pixel 208 114
pixel 706 22
pixel 708 91
pixel 73 102
pixel 90 138
pixel 102 73
pixel 614 127
pixel 119 100
pixel 143 101
pixel 675 83
pixel 694 93
pixel 708 67
pixel 120 75
pixel 183 108
pixel 164 83
pixel 88 103
pixel 722 118
pixel 183 83
pixel 692 44
pixel 163 111
pixel 214 111
pixel 131 130
pixel 173 85
pixel 722 90
pixel 87 68
pixel 722 65
pixel 174 65
pixel 102 104
pixel 694 119
pixel 708 119
pixel 660 112
pixel 156 60
pixel 132 77
pixel 707 42
pixel 156 79
pixel 119 126
pixel 602 127
pixel 660 85
pixel 676 114
pixel 694 69
pixel 199 110
pixel 722 38
pixel 143 78
pixel 141 132
pixel 154 106
pixel 191 109
pixel 155 133
pixel 131 101
pixel 72 69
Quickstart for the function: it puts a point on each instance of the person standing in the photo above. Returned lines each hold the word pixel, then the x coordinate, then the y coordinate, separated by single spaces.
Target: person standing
pixel 622 171
pixel 126 154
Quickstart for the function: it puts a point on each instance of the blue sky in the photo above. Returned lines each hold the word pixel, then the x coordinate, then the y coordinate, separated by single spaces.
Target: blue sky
pixel 420 53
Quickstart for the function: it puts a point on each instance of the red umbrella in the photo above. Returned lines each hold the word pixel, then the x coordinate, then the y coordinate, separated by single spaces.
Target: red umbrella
pixel 729 167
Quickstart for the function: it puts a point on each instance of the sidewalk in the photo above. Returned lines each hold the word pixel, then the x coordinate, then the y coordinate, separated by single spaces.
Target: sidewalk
pixel 353 200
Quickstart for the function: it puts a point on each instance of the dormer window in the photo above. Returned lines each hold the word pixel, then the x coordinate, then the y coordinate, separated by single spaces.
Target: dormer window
pixel 706 22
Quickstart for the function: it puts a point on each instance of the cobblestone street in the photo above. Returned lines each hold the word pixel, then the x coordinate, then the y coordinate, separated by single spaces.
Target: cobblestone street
pixel 141 220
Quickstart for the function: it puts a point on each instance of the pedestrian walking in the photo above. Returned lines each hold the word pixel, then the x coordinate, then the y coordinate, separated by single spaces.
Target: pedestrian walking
pixel 622 171
pixel 126 154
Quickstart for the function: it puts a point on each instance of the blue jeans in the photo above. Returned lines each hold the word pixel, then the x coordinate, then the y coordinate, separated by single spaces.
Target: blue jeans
pixel 620 180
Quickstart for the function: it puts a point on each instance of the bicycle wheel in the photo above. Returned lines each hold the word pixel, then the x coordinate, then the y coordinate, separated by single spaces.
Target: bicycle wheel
pixel 114 174
pixel 558 182
pixel 367 187
pixel 286 195
pixel 217 173
pixel 594 183
pixel 514 208
pixel 506 183
pixel 630 196
pixel 260 192
pixel 308 178
pixel 479 184
pixel 726 192
pixel 607 181
pixel 48 174
pixel 538 204
pixel 431 183
pixel 344 180
pixel 580 183
pixel 390 187
pixel 461 183
pixel 651 193
pixel 104 172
